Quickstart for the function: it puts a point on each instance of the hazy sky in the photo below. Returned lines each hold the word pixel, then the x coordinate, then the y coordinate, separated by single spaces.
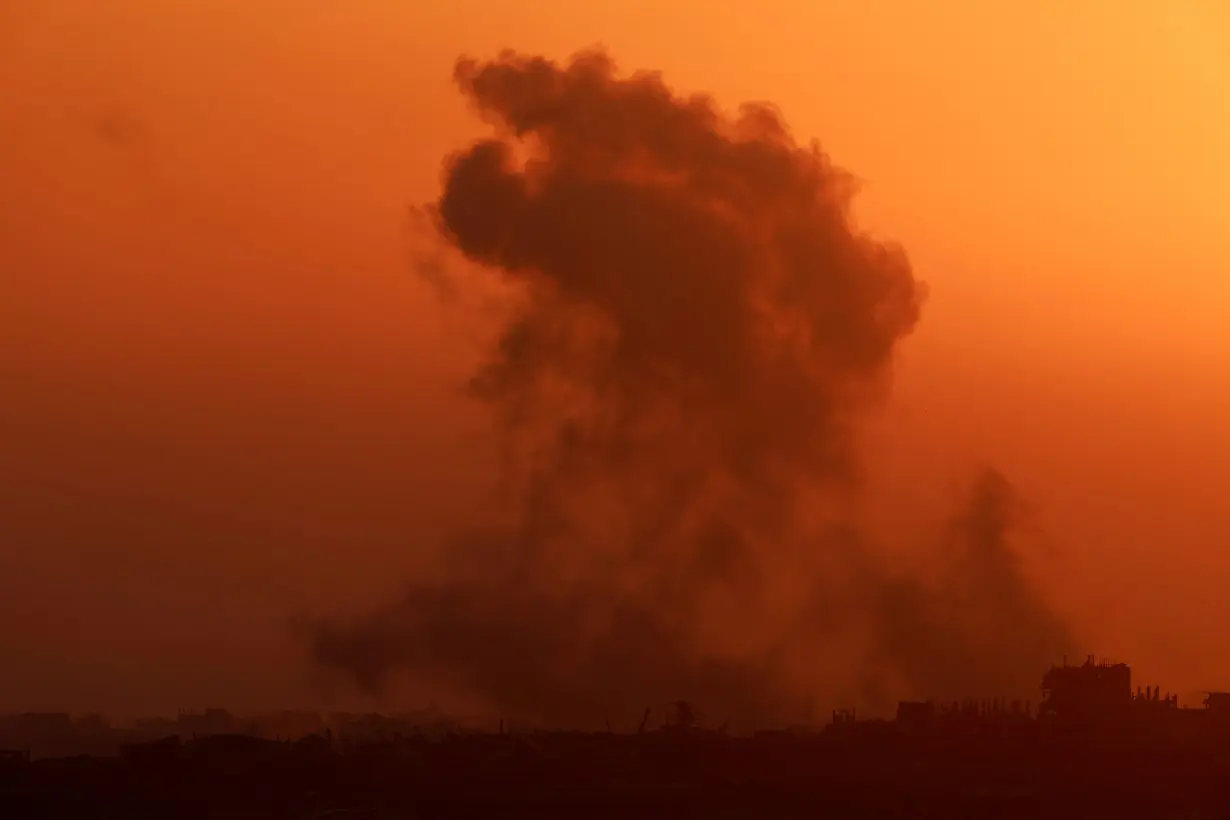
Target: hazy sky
pixel 224 397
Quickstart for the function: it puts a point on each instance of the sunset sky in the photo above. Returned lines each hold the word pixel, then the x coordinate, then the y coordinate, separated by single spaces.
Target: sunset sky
pixel 226 399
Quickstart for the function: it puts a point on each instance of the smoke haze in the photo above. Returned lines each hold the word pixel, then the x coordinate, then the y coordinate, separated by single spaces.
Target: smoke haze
pixel 223 397
pixel 698 333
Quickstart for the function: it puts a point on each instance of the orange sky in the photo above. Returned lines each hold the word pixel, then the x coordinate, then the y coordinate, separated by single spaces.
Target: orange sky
pixel 225 398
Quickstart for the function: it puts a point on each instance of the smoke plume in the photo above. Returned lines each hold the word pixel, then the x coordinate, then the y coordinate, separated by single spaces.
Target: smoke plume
pixel 700 329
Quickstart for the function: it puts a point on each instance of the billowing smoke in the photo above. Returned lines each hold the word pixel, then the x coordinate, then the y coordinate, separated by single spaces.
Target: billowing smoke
pixel 700 329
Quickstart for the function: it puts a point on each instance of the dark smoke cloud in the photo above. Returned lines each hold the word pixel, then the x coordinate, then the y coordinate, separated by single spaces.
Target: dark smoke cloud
pixel 699 332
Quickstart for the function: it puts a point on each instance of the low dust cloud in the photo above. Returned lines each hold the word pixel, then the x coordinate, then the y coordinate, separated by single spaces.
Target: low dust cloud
pixel 695 335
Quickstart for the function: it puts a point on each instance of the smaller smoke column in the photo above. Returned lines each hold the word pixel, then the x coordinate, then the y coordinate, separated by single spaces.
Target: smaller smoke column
pixel 981 629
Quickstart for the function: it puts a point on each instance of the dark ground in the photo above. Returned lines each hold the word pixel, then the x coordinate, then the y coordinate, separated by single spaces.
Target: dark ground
pixel 873 771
